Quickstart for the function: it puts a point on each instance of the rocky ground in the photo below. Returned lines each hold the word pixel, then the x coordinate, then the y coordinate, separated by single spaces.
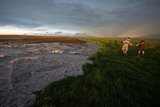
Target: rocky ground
pixel 26 68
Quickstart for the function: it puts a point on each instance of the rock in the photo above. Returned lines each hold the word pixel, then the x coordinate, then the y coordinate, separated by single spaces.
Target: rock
pixel 1 55
pixel 57 51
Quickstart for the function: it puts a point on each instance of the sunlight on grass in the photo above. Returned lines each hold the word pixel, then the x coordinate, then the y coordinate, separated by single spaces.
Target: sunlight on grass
pixel 113 80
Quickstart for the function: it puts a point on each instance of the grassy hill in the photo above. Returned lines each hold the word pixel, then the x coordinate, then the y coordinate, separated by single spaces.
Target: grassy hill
pixel 113 80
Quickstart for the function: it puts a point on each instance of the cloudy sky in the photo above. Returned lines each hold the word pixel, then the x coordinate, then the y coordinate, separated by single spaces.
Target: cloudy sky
pixel 81 17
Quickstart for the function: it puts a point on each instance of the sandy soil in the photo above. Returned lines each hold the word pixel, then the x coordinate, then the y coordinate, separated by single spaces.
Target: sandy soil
pixel 26 68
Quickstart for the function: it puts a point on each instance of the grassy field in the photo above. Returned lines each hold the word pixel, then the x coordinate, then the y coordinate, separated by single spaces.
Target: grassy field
pixel 113 80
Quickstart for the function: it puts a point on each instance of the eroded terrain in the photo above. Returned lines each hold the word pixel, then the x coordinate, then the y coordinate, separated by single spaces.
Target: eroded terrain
pixel 29 67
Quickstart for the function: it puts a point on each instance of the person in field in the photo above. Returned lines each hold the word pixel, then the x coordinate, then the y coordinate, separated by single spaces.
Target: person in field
pixel 141 46
pixel 126 44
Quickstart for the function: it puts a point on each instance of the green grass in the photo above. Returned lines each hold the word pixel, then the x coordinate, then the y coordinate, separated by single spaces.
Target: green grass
pixel 113 80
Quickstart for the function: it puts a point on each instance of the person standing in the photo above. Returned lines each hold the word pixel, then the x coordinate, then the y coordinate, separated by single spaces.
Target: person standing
pixel 126 44
pixel 141 46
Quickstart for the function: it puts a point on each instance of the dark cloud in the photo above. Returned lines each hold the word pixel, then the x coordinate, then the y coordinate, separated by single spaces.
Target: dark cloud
pixel 58 33
pixel 103 17
pixel 81 34
pixel 18 23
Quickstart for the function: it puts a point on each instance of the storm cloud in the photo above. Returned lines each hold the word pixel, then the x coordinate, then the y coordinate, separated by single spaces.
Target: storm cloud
pixel 97 17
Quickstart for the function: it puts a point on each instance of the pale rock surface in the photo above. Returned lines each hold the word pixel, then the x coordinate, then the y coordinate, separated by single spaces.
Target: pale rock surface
pixel 25 68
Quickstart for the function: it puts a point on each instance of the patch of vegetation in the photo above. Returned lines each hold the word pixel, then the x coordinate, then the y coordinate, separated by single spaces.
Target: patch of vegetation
pixel 113 80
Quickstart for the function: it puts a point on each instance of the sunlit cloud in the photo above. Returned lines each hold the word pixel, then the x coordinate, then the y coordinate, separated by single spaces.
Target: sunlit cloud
pixel 10 29
pixel 42 30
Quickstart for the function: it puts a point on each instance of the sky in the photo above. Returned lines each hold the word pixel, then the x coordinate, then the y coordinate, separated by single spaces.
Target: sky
pixel 81 17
